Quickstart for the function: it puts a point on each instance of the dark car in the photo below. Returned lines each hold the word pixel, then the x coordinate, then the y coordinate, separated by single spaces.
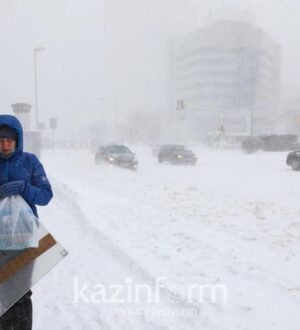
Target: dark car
pixel 176 154
pixel 293 160
pixel 119 155
pixel 273 142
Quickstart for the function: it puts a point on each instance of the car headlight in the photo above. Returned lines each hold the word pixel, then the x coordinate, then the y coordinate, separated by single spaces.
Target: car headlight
pixel 179 156
pixel 111 159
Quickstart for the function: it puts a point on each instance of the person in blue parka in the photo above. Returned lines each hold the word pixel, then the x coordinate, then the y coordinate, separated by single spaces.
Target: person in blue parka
pixel 20 173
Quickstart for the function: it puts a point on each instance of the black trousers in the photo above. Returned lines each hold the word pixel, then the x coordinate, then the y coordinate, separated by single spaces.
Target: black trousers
pixel 19 316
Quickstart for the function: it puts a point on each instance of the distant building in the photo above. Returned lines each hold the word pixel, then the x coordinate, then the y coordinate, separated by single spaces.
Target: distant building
pixel 31 139
pixel 227 74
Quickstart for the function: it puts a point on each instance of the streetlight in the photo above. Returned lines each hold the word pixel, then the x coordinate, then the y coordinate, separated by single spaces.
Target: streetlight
pixel 179 120
pixel 254 80
pixel 35 52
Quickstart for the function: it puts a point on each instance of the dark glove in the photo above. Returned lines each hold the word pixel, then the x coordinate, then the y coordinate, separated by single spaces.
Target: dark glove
pixel 12 188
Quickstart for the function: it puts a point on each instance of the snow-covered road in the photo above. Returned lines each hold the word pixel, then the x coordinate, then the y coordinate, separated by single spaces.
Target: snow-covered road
pixel 93 260
pixel 233 220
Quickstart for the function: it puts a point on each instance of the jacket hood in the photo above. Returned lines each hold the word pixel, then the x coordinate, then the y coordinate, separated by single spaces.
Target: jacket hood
pixel 14 123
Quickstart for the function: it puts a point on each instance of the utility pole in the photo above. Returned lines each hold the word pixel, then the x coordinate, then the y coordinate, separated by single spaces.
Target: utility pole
pixel 253 94
pixel 35 52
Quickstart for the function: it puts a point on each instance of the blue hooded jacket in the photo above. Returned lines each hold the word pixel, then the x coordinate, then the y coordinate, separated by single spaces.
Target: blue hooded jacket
pixel 25 166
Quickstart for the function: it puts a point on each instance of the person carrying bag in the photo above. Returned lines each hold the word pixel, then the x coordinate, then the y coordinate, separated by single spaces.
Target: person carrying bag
pixel 22 177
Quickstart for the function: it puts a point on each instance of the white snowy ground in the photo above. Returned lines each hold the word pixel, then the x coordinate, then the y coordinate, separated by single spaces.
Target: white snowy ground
pixel 231 220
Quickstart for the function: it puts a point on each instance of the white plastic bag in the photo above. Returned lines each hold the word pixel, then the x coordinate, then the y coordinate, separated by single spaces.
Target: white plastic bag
pixel 18 224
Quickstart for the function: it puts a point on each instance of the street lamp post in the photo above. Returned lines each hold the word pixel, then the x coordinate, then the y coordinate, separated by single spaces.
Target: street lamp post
pixel 179 120
pixel 252 102
pixel 35 52
pixel 254 78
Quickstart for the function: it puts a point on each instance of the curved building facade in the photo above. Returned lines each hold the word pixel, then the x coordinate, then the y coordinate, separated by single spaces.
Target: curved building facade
pixel 228 74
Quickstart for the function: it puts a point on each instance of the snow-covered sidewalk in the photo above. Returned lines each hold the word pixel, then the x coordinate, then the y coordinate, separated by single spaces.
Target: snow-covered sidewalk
pixel 66 297
pixel 233 220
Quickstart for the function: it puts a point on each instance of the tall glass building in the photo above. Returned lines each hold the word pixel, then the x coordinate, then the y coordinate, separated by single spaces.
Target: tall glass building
pixel 227 74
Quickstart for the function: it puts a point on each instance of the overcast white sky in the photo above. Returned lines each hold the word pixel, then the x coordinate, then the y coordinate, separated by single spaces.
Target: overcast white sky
pixel 115 50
